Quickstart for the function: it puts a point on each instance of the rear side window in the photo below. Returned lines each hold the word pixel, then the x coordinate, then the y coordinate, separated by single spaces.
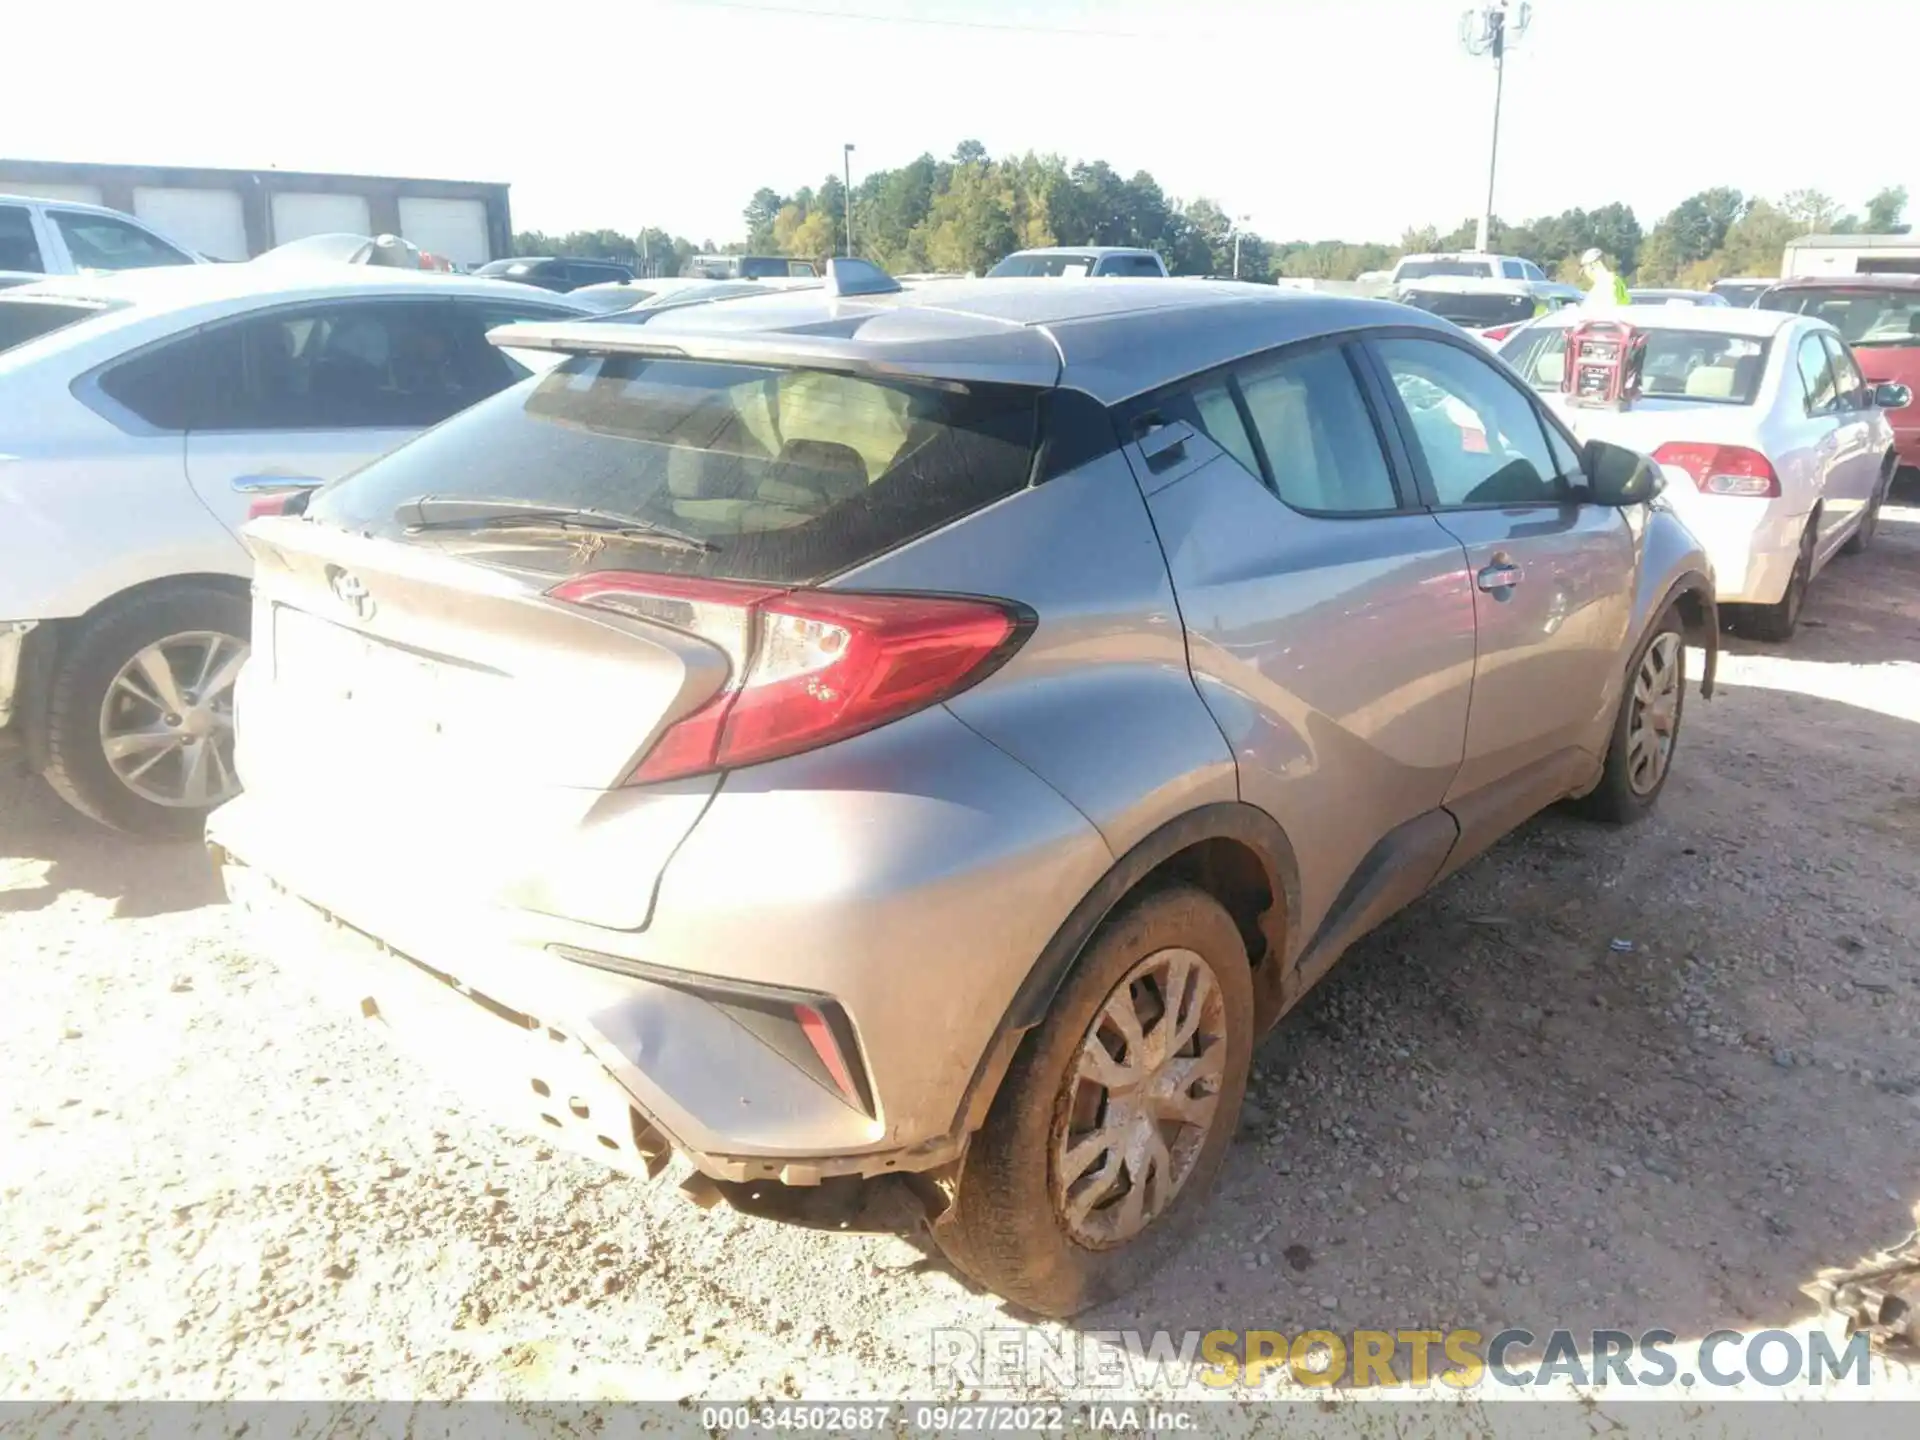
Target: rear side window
pixel 18 248
pixel 785 475
pixel 1316 433
pixel 1131 265
pixel 101 242
pixel 24 320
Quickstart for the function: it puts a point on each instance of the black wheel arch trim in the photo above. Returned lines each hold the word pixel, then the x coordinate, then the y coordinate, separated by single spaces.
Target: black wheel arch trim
pixel 1697 584
pixel 1233 820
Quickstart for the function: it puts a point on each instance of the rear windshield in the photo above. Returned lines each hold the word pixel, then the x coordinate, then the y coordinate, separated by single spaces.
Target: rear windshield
pixel 1472 310
pixel 24 320
pixel 1676 365
pixel 1053 265
pixel 788 475
pixel 1864 315
pixel 1738 294
pixel 1428 269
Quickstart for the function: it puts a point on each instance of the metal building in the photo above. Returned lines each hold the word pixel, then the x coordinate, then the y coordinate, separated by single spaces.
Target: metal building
pixel 237 214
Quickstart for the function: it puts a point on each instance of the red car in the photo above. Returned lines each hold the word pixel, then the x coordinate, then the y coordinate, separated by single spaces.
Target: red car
pixel 1880 317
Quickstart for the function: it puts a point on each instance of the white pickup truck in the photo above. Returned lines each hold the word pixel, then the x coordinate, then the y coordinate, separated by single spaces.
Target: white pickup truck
pixel 39 238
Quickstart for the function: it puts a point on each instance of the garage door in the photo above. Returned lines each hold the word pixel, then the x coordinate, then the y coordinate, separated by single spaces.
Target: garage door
pixel 77 194
pixel 209 221
pixel 456 229
pixel 297 215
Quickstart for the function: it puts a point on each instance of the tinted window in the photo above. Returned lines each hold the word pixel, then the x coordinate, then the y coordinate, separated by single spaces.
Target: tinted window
pixel 1532 271
pixel 1850 383
pixel 1511 269
pixel 801 268
pixel 1479 435
pixel 1862 315
pixel 18 249
pixel 1131 265
pixel 100 242
pixel 1816 375
pixel 787 475
pixel 1315 430
pixel 1472 310
pixel 1425 269
pixel 1050 265
pixel 24 320
pixel 364 365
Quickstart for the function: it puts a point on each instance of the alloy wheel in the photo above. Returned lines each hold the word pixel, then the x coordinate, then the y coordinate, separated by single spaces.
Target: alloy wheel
pixel 1141 1099
pixel 1655 720
pixel 166 724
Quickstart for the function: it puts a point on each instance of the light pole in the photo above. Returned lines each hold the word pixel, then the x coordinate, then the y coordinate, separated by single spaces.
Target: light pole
pixel 1490 31
pixel 846 158
pixel 1234 230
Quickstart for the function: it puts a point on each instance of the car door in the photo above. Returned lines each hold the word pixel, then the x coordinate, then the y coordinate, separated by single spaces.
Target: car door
pixel 302 394
pixel 1329 619
pixel 1860 443
pixel 1817 432
pixel 1553 579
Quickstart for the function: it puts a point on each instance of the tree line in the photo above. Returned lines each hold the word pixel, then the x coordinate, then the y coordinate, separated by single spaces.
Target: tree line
pixel 966 212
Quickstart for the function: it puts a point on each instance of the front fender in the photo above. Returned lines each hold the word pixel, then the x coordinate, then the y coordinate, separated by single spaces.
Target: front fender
pixel 1674 569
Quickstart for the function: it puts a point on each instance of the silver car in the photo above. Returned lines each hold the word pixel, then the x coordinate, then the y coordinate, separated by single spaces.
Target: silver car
pixel 862 731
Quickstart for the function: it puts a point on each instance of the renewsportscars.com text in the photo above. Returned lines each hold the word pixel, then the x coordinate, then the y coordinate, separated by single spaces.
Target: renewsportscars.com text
pixel 1132 1360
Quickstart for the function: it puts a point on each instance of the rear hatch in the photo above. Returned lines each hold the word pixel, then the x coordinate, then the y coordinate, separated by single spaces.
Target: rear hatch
pixel 512 660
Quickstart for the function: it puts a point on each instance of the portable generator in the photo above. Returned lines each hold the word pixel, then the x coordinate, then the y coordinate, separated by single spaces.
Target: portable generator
pixel 1603 364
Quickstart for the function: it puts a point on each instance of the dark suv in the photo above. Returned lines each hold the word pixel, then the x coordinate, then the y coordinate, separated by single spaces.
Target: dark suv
pixel 551 272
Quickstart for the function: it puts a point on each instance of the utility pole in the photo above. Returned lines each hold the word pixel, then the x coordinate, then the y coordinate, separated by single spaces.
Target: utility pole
pixel 1235 230
pixel 846 157
pixel 1490 31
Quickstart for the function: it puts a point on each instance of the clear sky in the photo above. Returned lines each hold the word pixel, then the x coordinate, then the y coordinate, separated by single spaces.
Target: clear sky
pixel 1318 118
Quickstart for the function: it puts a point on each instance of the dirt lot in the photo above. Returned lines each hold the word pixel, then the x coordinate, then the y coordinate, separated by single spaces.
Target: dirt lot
pixel 1488 1114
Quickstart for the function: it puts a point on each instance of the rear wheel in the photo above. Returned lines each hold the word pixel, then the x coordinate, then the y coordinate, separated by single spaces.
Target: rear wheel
pixel 1646 730
pixel 1112 1123
pixel 1778 622
pixel 140 719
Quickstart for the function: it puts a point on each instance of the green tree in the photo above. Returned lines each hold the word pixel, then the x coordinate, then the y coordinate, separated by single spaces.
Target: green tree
pixel 760 214
pixel 1884 211
pixel 969 226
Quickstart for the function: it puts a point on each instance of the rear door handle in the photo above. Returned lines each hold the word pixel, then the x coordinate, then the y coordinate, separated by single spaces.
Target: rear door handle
pixel 1501 575
pixel 274 484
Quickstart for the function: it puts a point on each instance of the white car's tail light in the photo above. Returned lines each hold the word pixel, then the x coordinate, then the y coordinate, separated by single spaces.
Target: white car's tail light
pixel 1722 469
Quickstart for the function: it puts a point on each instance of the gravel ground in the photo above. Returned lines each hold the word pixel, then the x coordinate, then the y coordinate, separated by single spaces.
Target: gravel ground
pixel 1488 1114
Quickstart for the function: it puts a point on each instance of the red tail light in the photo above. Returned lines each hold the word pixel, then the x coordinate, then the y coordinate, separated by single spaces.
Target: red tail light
pixel 809 666
pixel 1498 332
pixel 1722 469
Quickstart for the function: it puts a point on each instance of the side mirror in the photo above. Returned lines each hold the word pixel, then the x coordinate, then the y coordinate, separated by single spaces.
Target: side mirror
pixel 1618 477
pixel 1892 397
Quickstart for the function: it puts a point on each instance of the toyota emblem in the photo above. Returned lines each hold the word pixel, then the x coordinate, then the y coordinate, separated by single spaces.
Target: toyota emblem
pixel 352 592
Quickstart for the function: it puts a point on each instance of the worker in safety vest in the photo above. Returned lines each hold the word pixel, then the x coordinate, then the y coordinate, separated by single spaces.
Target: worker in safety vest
pixel 1607 288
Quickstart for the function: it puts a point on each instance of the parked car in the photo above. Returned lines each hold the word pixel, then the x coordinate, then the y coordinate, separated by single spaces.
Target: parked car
pixel 39 238
pixel 1879 317
pixel 1676 297
pixel 1465 265
pixel 144 416
pixel 557 273
pixel 623 295
pixel 1489 308
pixel 1777 449
pixel 1102 260
pixel 345 248
pixel 937 731
pixel 1742 290
pixel 748 267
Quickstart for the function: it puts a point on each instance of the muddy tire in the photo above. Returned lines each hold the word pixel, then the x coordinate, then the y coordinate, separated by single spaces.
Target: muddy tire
pixel 1049 1211
pixel 1646 729
pixel 89 707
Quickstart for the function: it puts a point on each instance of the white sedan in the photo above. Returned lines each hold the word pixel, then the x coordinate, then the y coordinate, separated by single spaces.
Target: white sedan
pixel 1777 452
pixel 143 418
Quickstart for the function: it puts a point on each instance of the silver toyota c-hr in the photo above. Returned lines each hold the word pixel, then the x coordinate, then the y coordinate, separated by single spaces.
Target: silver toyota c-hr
pixel 865 730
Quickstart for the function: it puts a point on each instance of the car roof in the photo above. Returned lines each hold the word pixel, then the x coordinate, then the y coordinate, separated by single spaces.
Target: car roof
pixel 83 205
pixel 1873 280
pixel 1113 338
pixel 1456 255
pixel 1085 250
pixel 179 287
pixel 1710 319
